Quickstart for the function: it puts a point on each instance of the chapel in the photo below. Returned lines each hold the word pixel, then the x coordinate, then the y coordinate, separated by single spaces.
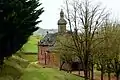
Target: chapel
pixel 46 46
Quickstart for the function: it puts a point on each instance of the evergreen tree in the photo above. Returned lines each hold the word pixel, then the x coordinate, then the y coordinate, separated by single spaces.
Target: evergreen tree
pixel 17 22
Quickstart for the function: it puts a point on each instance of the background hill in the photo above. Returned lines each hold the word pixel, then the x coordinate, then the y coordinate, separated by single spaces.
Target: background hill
pixel 42 31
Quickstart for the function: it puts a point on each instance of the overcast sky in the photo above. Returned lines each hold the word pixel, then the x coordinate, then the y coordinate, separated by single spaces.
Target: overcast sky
pixel 52 9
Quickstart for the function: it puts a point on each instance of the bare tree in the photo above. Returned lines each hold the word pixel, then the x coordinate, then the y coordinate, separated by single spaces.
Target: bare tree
pixel 86 19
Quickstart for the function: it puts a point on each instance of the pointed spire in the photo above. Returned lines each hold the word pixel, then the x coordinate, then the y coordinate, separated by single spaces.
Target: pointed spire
pixel 62 20
pixel 61 14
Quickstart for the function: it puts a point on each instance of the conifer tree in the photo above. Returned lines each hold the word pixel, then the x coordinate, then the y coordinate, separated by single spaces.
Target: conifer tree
pixel 18 20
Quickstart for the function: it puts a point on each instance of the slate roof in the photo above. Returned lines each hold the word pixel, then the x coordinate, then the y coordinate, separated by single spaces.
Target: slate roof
pixel 48 40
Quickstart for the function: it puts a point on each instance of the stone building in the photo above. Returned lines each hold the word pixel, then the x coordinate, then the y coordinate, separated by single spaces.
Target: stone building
pixel 45 46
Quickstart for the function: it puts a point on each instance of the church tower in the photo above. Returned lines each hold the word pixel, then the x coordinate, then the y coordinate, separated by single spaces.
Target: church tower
pixel 62 23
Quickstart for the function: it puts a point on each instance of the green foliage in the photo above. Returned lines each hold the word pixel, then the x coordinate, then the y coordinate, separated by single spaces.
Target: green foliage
pixel 64 46
pixel 108 51
pixel 17 19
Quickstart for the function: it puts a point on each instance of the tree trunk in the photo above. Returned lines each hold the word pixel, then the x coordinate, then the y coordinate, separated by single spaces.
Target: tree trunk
pixel 79 72
pixel 117 76
pixel 86 74
pixel 86 66
pixel 102 73
pixel 89 74
pixel 61 65
pixel 70 68
pixel 79 69
pixel 109 78
pixel 116 66
pixel 92 72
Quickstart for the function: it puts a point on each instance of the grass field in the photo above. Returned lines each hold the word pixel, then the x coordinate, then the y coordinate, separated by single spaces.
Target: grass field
pixel 30 49
pixel 30 57
pixel 47 74
pixel 31 45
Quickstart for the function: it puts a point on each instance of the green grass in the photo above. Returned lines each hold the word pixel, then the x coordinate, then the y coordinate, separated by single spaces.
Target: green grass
pixel 13 68
pixel 30 57
pixel 47 74
pixel 31 45
pixel 16 68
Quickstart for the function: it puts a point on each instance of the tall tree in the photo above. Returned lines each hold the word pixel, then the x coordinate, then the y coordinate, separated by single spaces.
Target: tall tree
pixel 17 22
pixel 86 18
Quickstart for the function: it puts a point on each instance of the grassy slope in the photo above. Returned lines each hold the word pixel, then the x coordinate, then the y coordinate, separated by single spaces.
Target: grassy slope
pixel 47 74
pixel 30 57
pixel 15 68
pixel 31 45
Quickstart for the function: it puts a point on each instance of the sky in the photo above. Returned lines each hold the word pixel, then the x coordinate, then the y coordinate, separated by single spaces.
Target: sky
pixel 52 9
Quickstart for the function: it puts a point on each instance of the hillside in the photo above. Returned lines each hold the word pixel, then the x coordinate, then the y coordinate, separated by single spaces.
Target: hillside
pixel 47 74
pixel 42 31
pixel 17 68
pixel 13 68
